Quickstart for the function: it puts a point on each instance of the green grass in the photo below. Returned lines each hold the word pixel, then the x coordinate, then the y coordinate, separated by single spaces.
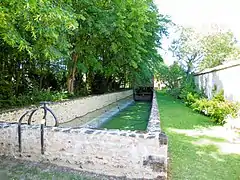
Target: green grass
pixel 134 117
pixel 16 171
pixel 190 159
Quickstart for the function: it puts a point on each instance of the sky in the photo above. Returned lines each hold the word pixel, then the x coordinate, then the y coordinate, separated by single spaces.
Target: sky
pixel 200 15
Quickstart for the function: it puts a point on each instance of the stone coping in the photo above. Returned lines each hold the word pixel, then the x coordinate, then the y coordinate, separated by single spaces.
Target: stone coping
pixel 153 126
pixel 153 130
pixel 91 131
pixel 67 110
pixel 30 107
pixel 154 118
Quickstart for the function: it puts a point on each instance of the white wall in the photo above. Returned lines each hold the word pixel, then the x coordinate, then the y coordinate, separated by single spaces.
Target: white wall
pixel 226 77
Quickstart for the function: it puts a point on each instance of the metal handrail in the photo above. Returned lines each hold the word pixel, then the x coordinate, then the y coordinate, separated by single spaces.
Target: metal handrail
pixel 46 109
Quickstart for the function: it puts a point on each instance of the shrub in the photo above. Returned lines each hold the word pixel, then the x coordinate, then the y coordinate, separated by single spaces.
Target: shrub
pixel 217 108
pixel 219 96
pixel 33 97
pixel 172 77
pixel 182 86
pixel 191 98
pixel 174 92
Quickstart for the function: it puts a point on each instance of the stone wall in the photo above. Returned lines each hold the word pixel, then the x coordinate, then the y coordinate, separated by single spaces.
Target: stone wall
pixel 154 118
pixel 224 77
pixel 109 152
pixel 67 110
pixel 130 154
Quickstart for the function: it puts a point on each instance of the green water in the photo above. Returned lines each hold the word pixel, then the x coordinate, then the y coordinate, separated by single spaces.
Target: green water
pixel 135 117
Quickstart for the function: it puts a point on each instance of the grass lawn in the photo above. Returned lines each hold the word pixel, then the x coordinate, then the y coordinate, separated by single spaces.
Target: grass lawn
pixel 197 149
pixel 134 117
pixel 11 169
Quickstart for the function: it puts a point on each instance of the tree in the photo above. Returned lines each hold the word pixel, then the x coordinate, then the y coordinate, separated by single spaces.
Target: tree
pixel 90 46
pixel 33 37
pixel 196 51
pixel 217 47
pixel 171 76
pixel 110 47
pixel 187 49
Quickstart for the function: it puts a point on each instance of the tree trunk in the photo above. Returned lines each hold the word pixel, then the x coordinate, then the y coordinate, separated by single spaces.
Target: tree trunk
pixel 17 78
pixel 72 72
pixel 41 78
pixel 41 82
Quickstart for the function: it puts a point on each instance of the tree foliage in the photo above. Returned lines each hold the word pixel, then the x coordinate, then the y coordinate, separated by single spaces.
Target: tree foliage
pixel 187 49
pixel 171 76
pixel 218 47
pixel 195 51
pixel 80 45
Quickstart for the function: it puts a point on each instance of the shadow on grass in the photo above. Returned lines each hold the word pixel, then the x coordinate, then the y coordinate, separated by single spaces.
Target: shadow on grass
pixel 198 149
pixel 12 169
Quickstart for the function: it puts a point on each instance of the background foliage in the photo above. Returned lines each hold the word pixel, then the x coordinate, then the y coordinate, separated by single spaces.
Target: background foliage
pixel 198 51
pixel 218 48
pixel 182 86
pixel 82 46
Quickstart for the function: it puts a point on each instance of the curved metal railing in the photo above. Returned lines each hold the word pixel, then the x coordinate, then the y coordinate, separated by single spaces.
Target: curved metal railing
pixel 43 105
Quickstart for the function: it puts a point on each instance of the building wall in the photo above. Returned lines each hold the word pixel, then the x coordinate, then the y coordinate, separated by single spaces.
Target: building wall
pixel 226 77
pixel 67 110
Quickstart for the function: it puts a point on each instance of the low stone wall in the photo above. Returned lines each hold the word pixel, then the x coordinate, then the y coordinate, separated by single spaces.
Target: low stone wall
pixel 129 154
pixel 67 110
pixel 109 152
pixel 154 118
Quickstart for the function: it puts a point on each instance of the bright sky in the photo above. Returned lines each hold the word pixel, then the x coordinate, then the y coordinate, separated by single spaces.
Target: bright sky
pixel 201 14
